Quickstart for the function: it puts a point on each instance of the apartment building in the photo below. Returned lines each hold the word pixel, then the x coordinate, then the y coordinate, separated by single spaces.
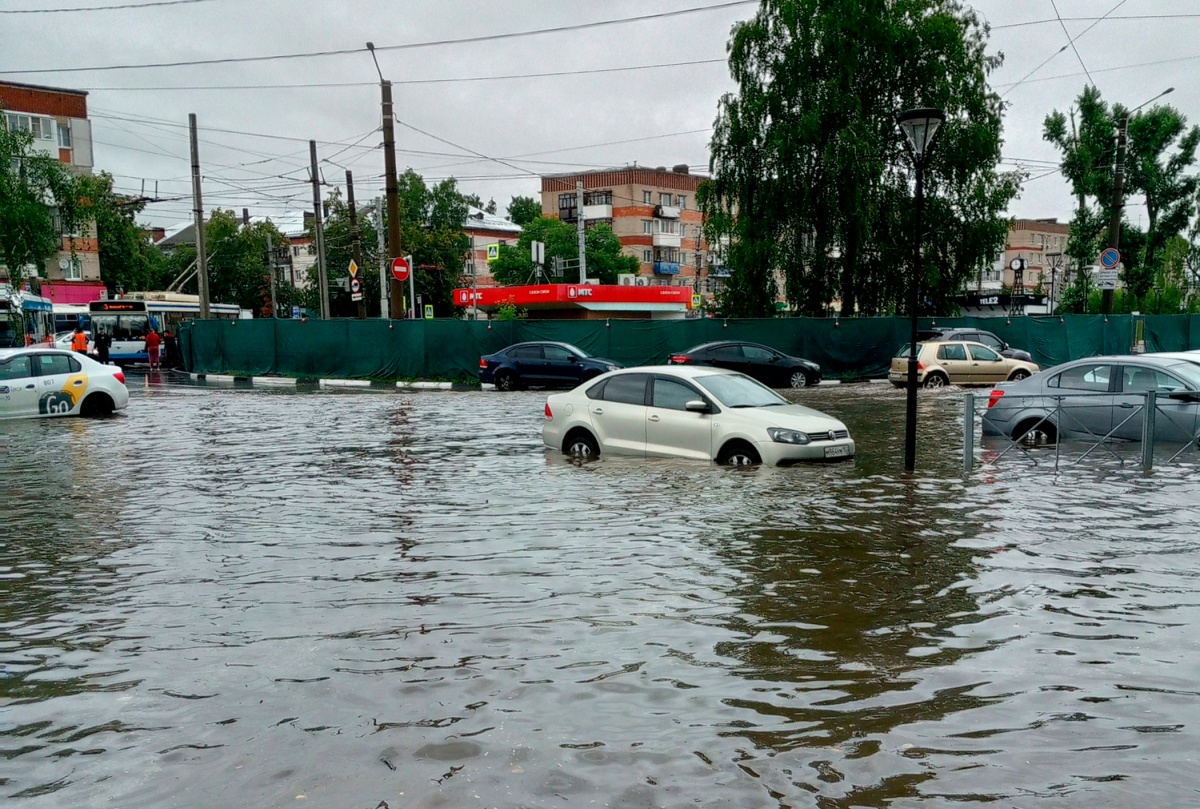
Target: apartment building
pixel 484 229
pixel 1042 243
pixel 57 119
pixel 653 213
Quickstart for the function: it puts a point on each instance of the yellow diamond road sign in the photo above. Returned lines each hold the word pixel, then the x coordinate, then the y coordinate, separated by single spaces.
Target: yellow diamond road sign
pixel 353 268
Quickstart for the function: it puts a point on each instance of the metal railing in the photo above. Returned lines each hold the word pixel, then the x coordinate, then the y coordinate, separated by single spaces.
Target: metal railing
pixel 1057 419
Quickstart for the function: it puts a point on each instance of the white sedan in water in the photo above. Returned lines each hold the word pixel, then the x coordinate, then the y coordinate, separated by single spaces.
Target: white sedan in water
pixel 44 381
pixel 690 412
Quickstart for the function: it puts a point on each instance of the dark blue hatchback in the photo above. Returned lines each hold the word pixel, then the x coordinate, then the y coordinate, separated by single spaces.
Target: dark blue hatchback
pixel 547 365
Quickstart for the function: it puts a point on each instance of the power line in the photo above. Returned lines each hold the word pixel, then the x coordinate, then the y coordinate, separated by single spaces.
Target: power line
pixel 101 8
pixel 1104 70
pixel 1070 43
pixel 312 85
pixel 1095 19
pixel 406 46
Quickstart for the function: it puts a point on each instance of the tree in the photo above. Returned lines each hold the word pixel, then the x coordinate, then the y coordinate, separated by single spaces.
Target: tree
pixel 810 172
pixel 339 250
pixel 29 180
pixel 491 206
pixel 237 260
pixel 128 261
pixel 523 210
pixel 473 200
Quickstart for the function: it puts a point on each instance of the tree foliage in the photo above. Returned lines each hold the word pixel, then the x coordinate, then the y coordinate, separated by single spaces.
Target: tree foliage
pixel 523 210
pixel 811 175
pixel 31 182
pixel 128 261
pixel 603 252
pixel 1159 152
pixel 238 261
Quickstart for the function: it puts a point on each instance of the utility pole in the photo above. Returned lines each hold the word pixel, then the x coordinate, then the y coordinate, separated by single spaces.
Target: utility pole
pixel 198 213
pixel 1114 222
pixel 271 273
pixel 384 290
pixel 393 193
pixel 355 246
pixel 319 228
pixel 582 235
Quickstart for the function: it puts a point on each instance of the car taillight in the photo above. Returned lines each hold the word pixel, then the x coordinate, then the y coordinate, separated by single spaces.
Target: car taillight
pixel 120 377
pixel 679 359
pixel 549 415
pixel 483 363
pixel 920 365
pixel 994 397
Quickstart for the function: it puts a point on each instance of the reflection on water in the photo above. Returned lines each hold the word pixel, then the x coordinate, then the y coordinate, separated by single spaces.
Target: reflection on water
pixel 239 597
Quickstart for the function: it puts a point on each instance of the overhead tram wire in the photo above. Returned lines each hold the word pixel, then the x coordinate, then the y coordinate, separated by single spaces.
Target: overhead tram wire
pixel 561 29
pixel 1095 19
pixel 1070 43
pixel 411 82
pixel 1103 70
pixel 120 7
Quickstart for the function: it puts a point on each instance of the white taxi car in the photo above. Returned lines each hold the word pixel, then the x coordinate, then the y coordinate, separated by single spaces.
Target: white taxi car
pixel 696 412
pixel 44 381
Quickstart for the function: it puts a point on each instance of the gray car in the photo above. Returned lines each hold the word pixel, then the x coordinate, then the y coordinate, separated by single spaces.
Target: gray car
pixel 1098 397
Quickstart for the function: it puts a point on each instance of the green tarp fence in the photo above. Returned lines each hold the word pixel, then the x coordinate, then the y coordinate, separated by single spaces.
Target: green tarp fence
pixel 450 349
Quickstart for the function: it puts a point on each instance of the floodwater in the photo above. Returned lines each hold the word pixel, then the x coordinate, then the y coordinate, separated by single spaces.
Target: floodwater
pixel 237 597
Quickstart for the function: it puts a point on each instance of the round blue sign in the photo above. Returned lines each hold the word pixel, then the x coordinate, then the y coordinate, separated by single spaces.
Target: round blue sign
pixel 1110 258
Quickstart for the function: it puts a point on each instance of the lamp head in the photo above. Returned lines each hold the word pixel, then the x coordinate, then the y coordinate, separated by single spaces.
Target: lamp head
pixel 921 126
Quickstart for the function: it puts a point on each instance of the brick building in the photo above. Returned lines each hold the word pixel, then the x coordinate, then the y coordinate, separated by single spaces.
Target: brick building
pixel 58 120
pixel 653 213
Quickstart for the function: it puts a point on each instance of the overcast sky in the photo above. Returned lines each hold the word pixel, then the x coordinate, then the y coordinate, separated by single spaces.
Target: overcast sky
pixel 663 115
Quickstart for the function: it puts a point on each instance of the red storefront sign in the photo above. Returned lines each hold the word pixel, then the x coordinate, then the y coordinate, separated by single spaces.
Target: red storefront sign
pixel 584 296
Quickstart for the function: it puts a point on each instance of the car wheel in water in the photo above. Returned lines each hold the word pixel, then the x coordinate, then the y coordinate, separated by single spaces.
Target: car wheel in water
pixel 506 380
pixel 799 380
pixel 739 453
pixel 1018 375
pixel 935 381
pixel 1036 432
pixel 581 445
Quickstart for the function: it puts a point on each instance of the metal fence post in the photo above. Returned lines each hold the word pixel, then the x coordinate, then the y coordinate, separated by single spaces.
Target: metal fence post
pixel 1148 415
pixel 968 432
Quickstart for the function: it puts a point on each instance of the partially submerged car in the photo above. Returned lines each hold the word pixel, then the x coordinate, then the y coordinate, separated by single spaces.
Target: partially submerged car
pixel 694 412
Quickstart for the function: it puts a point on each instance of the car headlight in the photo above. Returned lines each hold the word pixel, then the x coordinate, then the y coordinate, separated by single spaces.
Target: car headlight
pixel 787 436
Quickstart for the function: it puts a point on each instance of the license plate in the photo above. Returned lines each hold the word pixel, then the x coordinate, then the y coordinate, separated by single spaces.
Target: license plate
pixel 837 452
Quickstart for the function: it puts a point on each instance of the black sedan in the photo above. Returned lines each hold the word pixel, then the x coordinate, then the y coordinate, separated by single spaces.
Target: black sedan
pixel 767 365
pixel 546 365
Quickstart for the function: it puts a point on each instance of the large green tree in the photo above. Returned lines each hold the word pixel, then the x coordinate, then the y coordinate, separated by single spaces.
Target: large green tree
pixel 238 261
pixel 1160 151
pixel 603 250
pixel 35 191
pixel 811 175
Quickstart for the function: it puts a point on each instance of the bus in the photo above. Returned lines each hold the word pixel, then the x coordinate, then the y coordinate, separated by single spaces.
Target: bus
pixel 25 318
pixel 68 316
pixel 127 318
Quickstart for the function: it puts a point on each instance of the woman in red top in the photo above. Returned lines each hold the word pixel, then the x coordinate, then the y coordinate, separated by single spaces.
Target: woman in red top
pixel 153 341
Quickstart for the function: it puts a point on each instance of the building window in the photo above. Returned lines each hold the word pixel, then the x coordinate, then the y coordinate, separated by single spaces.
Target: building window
pixel 296 248
pixel 681 202
pixel 597 198
pixel 664 199
pixel 647 256
pixel 647 227
pixel 41 128
pixel 566 206
pixel 647 197
pixel 71 269
pixel 64 137
pixel 666 225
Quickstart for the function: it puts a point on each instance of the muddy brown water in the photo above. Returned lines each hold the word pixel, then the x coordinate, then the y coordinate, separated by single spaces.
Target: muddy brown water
pixel 237 597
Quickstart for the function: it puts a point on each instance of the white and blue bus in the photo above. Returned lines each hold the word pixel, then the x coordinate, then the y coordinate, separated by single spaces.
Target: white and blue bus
pixel 69 315
pixel 25 318
pixel 128 318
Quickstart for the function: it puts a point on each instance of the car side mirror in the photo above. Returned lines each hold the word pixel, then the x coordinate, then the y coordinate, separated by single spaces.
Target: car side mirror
pixel 572 358
pixel 773 359
pixel 1185 395
pixel 697 406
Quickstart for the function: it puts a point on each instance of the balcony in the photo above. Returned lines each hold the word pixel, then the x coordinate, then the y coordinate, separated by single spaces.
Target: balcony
pixel 597 212
pixel 666 268
pixel 666 212
pixel 667 240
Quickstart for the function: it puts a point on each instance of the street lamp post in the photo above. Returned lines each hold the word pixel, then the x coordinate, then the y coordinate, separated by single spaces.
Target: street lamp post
pixel 920 127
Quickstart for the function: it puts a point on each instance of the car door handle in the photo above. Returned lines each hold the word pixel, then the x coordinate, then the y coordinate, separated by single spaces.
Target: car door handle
pixel 30 387
pixel 78 382
pixel 654 418
pixel 599 411
pixel 1128 406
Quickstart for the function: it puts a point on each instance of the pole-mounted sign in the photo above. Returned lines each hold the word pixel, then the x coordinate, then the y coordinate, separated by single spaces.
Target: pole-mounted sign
pixel 400 268
pixel 1110 258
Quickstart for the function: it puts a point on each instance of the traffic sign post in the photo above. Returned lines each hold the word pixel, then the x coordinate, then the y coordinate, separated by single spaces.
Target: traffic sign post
pixel 429 311
pixel 356 289
pixel 1110 258
pixel 400 268
pixel 1107 279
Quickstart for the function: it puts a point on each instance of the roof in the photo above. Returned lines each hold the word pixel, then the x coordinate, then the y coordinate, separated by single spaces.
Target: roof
pixel 43 88
pixel 478 219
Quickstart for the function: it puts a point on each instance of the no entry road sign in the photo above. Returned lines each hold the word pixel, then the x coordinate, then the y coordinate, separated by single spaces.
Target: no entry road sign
pixel 400 268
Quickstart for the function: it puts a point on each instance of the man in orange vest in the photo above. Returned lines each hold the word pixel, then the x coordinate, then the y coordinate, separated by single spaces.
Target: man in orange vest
pixel 79 341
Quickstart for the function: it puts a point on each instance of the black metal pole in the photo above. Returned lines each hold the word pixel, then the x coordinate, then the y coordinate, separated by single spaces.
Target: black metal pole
pixel 910 426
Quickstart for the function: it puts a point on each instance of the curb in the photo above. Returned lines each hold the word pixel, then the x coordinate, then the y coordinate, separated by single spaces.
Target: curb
pixel 274 381
pixel 343 383
pixel 425 385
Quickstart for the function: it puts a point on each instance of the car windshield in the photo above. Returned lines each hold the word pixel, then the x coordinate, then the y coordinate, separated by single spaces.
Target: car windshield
pixel 735 390
pixel 1189 372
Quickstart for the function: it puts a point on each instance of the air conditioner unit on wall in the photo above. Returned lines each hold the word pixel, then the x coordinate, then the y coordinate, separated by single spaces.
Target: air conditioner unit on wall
pixel 626 279
pixel 642 281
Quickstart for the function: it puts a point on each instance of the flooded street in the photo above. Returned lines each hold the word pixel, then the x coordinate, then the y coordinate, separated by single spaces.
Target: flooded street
pixel 262 598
